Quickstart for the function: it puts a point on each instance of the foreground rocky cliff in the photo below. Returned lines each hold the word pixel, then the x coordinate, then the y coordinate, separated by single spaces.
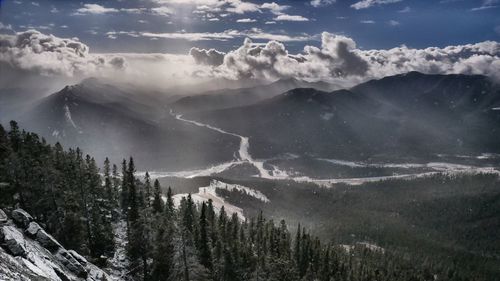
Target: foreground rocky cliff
pixel 29 253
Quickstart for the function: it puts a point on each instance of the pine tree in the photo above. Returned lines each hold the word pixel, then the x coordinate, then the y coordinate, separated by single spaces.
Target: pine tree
pixel 147 188
pixel 157 198
pixel 204 245
pixel 124 195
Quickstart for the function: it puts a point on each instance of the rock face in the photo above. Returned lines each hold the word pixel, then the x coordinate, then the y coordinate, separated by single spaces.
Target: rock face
pixel 29 253
pixel 13 241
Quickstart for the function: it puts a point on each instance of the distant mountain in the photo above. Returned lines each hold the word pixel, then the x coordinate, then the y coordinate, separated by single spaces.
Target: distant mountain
pixel 105 120
pixel 228 98
pixel 410 115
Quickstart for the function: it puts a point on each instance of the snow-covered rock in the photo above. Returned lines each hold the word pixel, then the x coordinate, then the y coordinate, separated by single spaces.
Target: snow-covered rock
pixel 29 253
pixel 21 218
pixel 13 240
pixel 33 229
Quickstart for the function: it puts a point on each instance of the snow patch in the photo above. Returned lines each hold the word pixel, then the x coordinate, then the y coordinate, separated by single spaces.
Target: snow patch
pixel 67 115
pixel 209 192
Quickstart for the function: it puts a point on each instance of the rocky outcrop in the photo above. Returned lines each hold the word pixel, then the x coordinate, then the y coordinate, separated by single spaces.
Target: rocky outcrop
pixel 29 253
pixel 21 218
pixel 3 217
pixel 13 241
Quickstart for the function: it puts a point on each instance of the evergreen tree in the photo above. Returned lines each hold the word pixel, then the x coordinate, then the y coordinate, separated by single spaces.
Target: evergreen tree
pixel 157 198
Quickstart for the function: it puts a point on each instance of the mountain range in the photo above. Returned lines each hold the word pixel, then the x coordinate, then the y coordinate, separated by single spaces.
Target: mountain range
pixel 412 115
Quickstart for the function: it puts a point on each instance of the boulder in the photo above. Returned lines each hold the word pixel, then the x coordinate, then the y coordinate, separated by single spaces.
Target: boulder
pixel 33 229
pixel 47 241
pixel 13 241
pixel 3 217
pixel 21 218
pixel 64 257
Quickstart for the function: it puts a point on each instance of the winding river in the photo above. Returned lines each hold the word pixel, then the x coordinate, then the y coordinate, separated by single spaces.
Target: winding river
pixel 244 156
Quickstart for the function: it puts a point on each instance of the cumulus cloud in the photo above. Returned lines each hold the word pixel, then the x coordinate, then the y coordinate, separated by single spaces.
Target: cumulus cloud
pixel 364 4
pixel 319 3
pixel 210 57
pixel 33 51
pixel 275 8
pixel 339 60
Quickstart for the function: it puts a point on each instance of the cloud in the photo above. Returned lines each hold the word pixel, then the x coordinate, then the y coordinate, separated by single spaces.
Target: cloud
pixel 393 23
pixel 240 7
pixel 210 57
pixel 319 3
pixel 486 4
pixel 7 27
pixel 367 21
pixel 270 22
pixel 95 9
pixel 405 10
pixel 48 55
pixel 247 20
pixel 338 60
pixel 162 11
pixel 364 4
pixel 275 8
pixel 254 33
pixel 285 17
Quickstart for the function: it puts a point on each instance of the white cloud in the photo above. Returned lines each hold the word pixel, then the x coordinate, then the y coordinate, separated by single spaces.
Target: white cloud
pixel 133 10
pixel 5 26
pixel 338 60
pixel 367 21
pixel 393 23
pixel 48 55
pixel 364 4
pixel 240 7
pixel 247 20
pixel 285 17
pixel 35 4
pixel 319 3
pixel 95 9
pixel 54 10
pixel 210 57
pixel 214 19
pixel 254 33
pixel 487 4
pixel 270 22
pixel 275 8
pixel 162 11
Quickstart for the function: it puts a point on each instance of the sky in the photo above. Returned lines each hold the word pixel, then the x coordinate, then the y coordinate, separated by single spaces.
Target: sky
pixel 118 34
